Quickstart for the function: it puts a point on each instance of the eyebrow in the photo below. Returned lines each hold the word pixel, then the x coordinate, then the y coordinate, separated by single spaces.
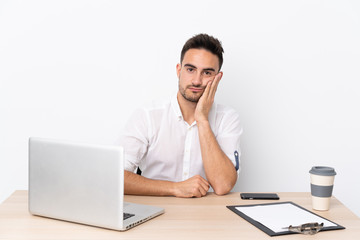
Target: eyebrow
pixel 205 69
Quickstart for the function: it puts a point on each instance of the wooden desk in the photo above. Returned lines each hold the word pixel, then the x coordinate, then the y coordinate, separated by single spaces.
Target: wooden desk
pixel 195 218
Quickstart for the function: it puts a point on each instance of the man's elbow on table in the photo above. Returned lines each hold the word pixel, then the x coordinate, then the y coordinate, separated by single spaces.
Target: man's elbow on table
pixel 223 189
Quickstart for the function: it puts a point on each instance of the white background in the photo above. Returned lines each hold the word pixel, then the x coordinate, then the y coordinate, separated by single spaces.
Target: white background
pixel 76 70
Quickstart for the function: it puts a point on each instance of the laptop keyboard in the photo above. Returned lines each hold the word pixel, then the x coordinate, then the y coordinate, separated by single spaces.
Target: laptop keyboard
pixel 128 215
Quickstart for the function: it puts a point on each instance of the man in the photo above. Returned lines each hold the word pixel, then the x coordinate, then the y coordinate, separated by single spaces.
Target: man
pixel 190 143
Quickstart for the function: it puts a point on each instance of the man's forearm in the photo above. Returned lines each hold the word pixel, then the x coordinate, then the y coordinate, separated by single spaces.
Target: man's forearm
pixel 195 186
pixel 220 171
pixel 139 185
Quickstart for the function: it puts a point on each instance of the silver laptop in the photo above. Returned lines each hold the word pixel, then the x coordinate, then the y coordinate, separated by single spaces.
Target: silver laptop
pixel 82 183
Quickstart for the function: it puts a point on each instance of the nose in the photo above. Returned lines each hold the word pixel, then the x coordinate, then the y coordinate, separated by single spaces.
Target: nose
pixel 197 80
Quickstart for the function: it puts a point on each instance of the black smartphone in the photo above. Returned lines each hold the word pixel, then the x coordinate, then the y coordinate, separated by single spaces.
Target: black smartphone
pixel 260 196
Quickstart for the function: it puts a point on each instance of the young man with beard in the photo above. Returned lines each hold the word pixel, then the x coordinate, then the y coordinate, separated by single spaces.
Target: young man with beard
pixel 185 145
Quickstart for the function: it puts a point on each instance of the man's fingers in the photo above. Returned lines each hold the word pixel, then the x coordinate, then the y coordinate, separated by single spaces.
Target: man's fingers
pixel 195 186
pixel 202 180
pixel 199 191
pixel 204 186
pixel 201 186
pixel 207 89
pixel 204 190
pixel 214 85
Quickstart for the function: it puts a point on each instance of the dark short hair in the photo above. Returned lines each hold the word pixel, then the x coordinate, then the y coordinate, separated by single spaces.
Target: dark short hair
pixel 204 41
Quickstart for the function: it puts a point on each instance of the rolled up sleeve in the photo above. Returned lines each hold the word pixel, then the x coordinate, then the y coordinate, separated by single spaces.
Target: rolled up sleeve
pixel 228 137
pixel 134 140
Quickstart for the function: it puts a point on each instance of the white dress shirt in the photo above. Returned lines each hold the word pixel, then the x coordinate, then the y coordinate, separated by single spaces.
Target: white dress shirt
pixel 165 147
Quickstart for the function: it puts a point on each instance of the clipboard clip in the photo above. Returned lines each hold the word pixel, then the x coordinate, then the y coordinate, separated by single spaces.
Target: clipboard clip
pixel 306 228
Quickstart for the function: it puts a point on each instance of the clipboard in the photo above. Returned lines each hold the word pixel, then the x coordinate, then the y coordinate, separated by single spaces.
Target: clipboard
pixel 286 213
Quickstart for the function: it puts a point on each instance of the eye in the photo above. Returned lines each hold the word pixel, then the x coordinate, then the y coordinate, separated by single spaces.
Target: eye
pixel 190 69
pixel 208 73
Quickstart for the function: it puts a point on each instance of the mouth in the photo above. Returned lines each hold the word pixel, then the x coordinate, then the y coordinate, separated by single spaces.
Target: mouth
pixel 195 89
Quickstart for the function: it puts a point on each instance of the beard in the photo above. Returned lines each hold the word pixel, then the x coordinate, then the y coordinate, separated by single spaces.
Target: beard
pixel 192 97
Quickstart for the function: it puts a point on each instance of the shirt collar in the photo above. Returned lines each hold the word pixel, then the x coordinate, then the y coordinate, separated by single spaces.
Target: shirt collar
pixel 177 111
pixel 176 107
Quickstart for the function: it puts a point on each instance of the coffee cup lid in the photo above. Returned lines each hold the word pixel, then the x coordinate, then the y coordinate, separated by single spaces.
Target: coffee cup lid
pixel 323 171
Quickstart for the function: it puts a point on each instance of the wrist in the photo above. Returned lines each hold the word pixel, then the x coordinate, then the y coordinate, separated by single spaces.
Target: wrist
pixel 203 123
pixel 173 189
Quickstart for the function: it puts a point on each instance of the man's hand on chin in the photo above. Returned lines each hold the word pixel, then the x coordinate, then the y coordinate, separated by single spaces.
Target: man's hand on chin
pixel 207 99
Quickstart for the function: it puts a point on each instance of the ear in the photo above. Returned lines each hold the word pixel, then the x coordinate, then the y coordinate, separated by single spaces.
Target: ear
pixel 220 75
pixel 178 69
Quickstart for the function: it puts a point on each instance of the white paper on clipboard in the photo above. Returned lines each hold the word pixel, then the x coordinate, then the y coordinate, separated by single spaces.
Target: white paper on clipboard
pixel 278 216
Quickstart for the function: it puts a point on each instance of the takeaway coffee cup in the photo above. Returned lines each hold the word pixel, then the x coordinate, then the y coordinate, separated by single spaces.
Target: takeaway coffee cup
pixel 322 183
